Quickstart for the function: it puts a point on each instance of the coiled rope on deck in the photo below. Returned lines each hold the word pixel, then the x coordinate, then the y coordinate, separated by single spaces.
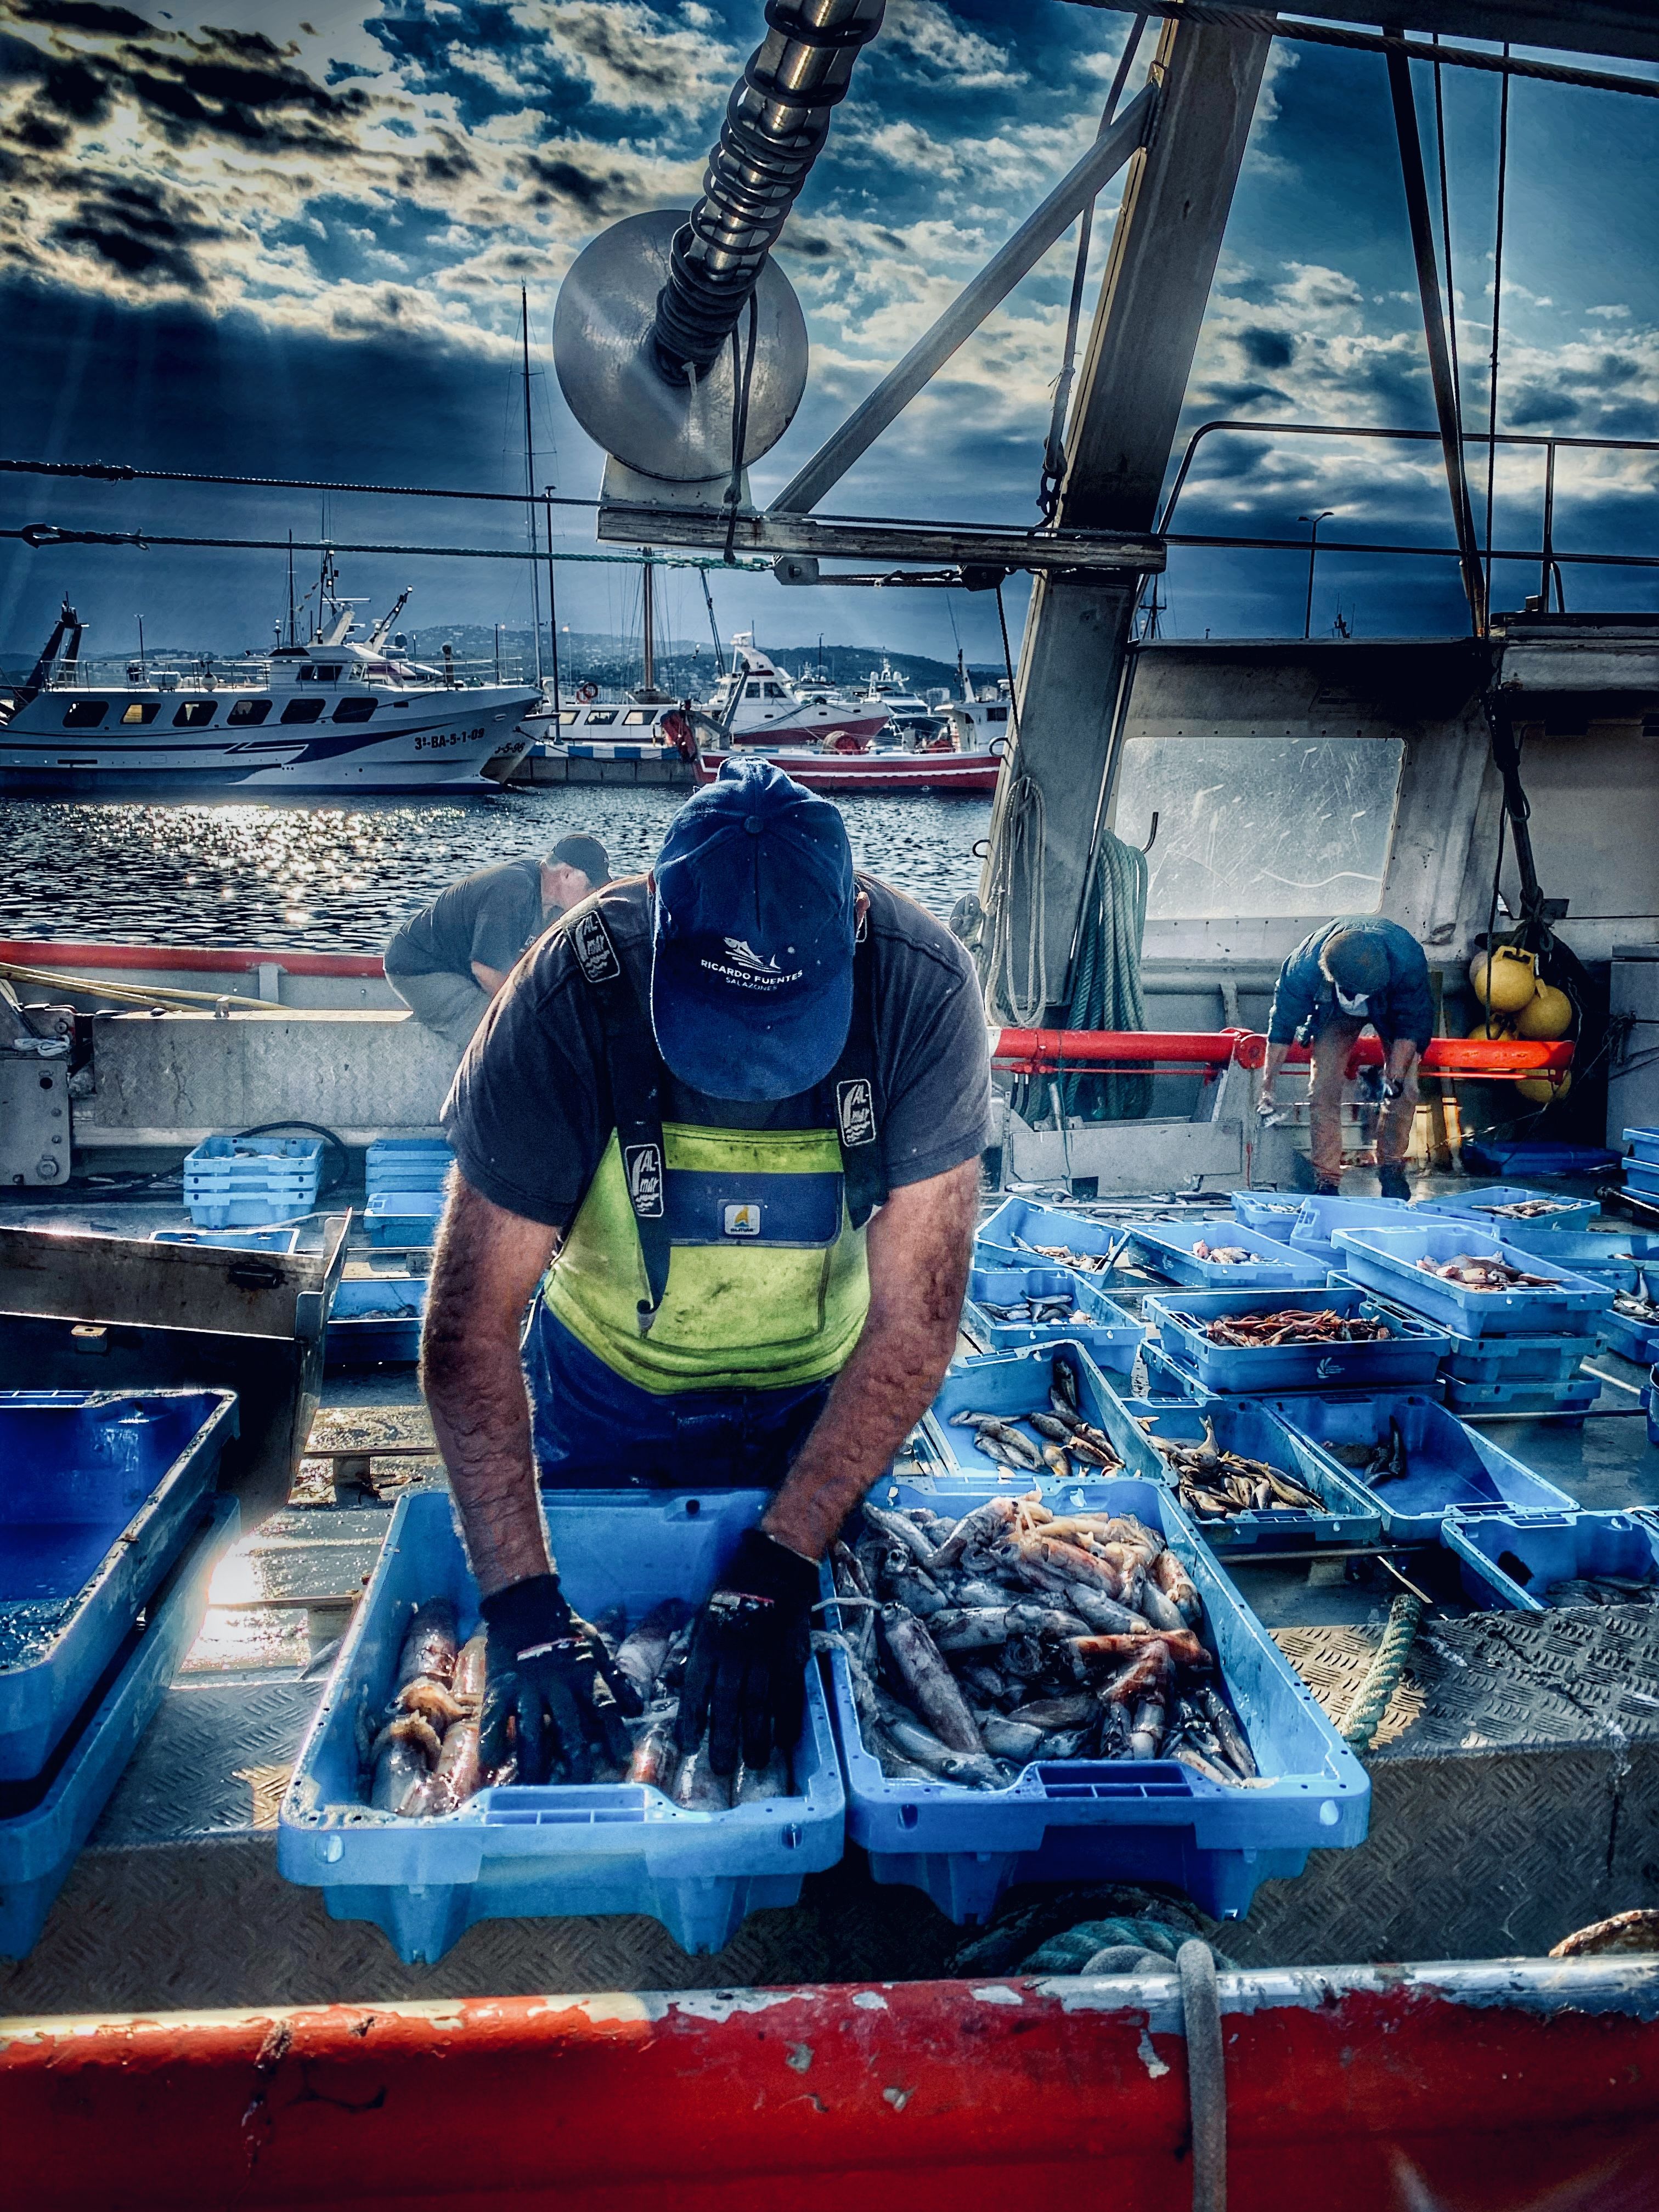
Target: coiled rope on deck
pixel 1382 1676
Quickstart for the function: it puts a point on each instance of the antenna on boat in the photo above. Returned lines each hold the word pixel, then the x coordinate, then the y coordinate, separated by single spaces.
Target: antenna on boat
pixel 648 619
pixel 290 587
pixel 142 676
pixel 529 486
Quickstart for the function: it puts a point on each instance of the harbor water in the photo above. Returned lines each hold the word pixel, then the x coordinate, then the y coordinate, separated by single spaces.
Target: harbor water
pixel 334 877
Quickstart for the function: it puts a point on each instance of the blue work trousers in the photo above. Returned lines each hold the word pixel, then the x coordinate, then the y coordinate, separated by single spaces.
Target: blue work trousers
pixel 594 1430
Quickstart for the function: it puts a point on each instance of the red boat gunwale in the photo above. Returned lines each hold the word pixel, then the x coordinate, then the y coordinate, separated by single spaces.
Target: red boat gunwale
pixel 1503 2084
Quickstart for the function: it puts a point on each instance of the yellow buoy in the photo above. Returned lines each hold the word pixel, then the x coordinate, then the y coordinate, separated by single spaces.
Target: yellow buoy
pixel 1548 1014
pixel 1505 980
pixel 1541 1090
pixel 1500 1032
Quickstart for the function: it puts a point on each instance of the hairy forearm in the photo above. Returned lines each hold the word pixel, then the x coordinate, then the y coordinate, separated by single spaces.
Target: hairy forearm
pixel 918 1272
pixel 1403 1056
pixel 475 1387
pixel 1272 1063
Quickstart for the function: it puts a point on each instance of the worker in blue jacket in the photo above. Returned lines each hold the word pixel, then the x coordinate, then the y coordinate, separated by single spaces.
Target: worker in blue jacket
pixel 1356 973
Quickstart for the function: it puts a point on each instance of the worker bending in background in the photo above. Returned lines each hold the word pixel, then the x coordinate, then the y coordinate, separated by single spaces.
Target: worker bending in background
pixel 1355 974
pixel 448 962
pixel 722 1134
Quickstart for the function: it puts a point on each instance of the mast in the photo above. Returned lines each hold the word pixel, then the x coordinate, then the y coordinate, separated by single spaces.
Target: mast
pixel 530 487
pixel 647 621
pixel 290 587
pixel 552 606
pixel 713 627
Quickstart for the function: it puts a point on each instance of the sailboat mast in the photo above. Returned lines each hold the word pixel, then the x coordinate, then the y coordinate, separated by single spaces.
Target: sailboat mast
pixel 648 620
pixel 530 487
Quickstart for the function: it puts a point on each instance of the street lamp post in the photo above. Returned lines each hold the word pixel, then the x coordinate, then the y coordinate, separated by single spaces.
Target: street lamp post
pixel 1323 515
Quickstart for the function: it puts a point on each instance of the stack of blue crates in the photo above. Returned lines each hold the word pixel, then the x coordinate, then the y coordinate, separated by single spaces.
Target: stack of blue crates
pixel 1511 1352
pixel 250 1183
pixel 108 1533
pixel 1513 1562
pixel 1095 1319
pixel 1642 1166
pixel 404 1178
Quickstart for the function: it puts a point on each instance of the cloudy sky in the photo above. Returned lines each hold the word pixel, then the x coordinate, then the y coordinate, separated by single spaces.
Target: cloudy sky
pixel 286 237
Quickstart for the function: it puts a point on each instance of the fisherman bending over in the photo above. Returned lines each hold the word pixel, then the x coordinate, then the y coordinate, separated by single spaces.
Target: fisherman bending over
pixel 1351 974
pixel 448 962
pixel 724 1129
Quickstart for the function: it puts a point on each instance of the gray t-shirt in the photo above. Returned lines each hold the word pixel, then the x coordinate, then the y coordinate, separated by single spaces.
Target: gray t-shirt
pixel 489 916
pixel 530 1113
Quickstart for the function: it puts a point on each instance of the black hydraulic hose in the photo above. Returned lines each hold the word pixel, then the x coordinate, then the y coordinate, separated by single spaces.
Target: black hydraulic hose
pixel 776 122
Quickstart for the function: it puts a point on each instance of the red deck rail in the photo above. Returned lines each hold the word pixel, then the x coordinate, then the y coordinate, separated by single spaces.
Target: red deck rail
pixel 191 959
pixel 1042 1052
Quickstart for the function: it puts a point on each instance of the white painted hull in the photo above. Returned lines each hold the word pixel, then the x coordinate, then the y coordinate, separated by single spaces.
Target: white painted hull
pixel 436 742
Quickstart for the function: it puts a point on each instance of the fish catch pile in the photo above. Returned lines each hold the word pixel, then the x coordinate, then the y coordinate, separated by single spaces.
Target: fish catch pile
pixel 1476 1273
pixel 1214 1485
pixel 1291 1326
pixel 425 1760
pixel 1062 1441
pixel 1043 1313
pixel 1017 1633
pixel 1525 1209
pixel 1222 1255
pixel 1602 1589
pixel 1634 1308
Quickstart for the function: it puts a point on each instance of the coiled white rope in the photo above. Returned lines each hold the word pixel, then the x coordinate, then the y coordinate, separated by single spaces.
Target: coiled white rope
pixel 1019 874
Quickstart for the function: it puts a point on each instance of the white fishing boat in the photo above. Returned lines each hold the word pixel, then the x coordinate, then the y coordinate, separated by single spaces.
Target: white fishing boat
pixel 335 714
pixel 887 691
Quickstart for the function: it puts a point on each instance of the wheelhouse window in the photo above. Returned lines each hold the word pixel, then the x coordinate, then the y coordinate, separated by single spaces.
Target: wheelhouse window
pixel 637 717
pixel 355 710
pixel 568 714
pixel 246 712
pixel 86 714
pixel 303 710
pixel 195 713
pixel 140 711
pixel 996 714
pixel 1260 828
pixel 775 691
pixel 600 716
pixel 751 690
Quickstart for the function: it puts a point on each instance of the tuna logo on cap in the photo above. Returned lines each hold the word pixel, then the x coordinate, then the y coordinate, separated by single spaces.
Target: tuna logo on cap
pixel 643 1165
pixel 595 953
pixel 855 1109
pixel 744 955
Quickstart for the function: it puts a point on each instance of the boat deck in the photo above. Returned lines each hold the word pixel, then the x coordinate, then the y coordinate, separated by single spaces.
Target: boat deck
pixel 1516 1775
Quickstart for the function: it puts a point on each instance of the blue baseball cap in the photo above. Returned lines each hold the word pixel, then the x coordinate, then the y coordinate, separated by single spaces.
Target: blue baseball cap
pixel 751 965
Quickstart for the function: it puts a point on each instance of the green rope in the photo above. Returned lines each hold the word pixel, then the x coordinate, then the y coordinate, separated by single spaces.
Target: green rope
pixel 1382 1676
pixel 1106 986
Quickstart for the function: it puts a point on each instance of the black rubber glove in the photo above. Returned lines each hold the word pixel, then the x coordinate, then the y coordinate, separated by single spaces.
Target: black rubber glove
pixel 548 1673
pixel 745 1675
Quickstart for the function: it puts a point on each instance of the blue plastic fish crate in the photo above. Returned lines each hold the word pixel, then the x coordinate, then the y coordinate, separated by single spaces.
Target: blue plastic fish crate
pixel 250 1212
pixel 1272 1265
pixel 406 1164
pixel 1650 1401
pixel 1643 1146
pixel 1449 1467
pixel 375 1321
pixel 1272 1211
pixel 1386 1260
pixel 282 1241
pixel 1509 1561
pixel 515 1852
pixel 1010 1384
pixel 1632 1340
pixel 1111 1337
pixel 1566 1401
pixel 1485 1156
pixel 1641 1179
pixel 1079 1820
pixel 1245 1425
pixel 1479 1204
pixel 236 1163
pixel 44 1822
pixel 1165 1379
pixel 99 1491
pixel 1533 1361
pixel 403 1218
pixel 995 1245
pixel 1314 1230
pixel 1615 1256
pixel 1411 1354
